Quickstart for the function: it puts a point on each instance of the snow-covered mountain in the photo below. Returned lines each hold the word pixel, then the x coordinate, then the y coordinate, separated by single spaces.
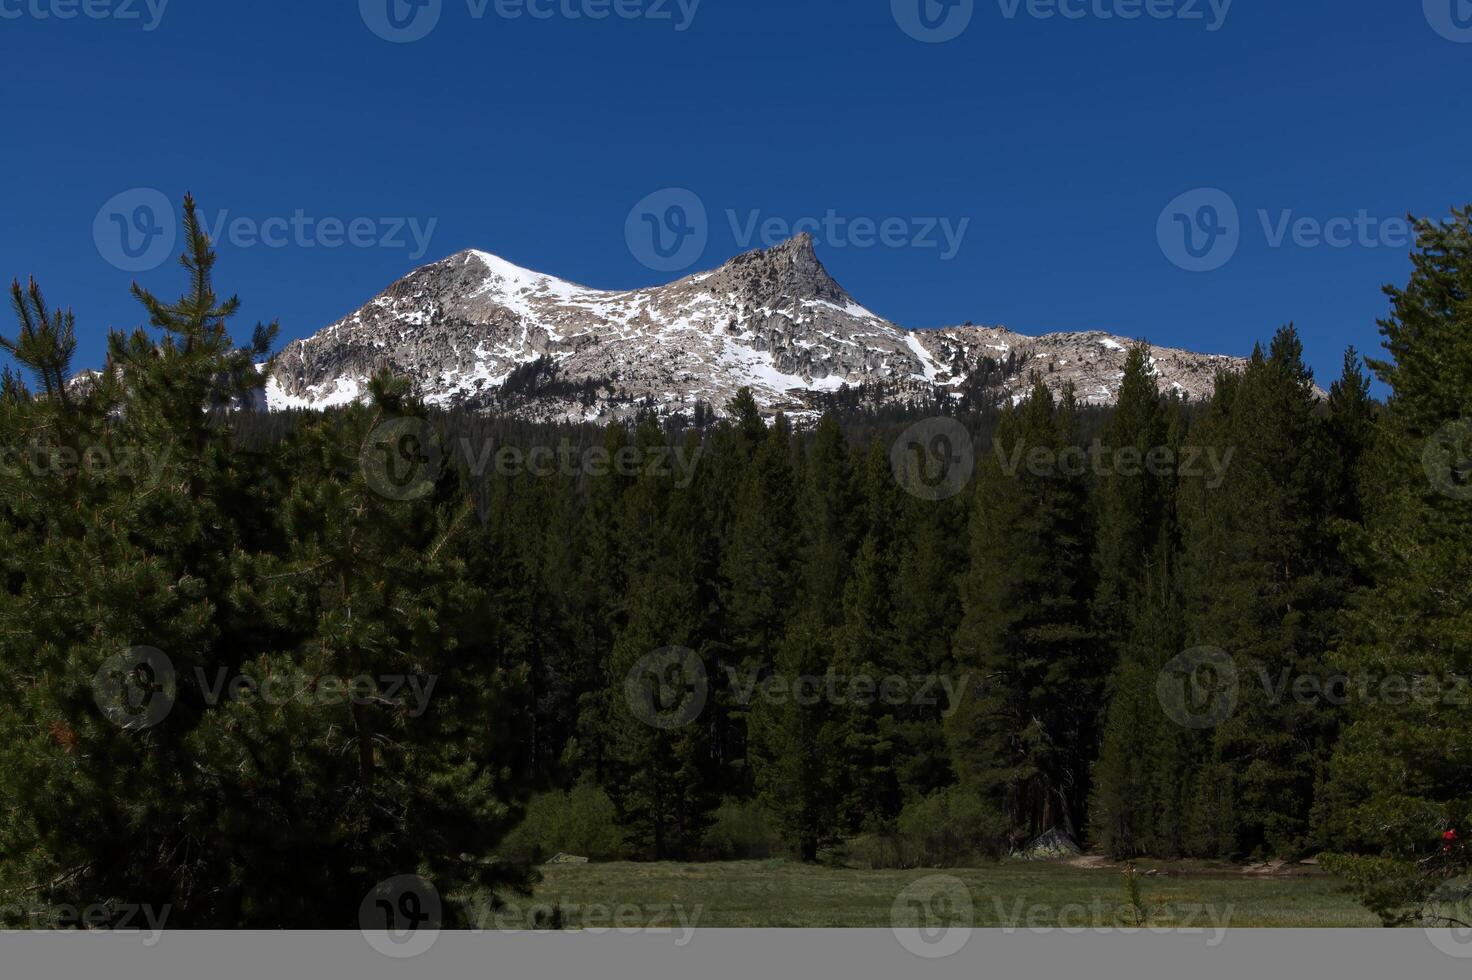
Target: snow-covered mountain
pixel 470 328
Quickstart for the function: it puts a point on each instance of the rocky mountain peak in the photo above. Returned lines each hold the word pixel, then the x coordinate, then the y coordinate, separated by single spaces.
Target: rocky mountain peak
pixel 476 331
pixel 790 271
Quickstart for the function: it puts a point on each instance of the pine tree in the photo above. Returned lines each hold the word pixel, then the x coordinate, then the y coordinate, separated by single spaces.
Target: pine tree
pixel 874 746
pixel 47 341
pixel 1401 772
pixel 661 773
pixel 796 734
pixel 1263 580
pixel 1133 502
pixel 1131 495
pixel 1020 738
pixel 828 513
pixel 225 590
pixel 760 561
pixel 932 547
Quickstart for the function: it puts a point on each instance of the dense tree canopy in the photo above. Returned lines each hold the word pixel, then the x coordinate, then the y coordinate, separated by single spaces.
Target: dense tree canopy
pixel 268 662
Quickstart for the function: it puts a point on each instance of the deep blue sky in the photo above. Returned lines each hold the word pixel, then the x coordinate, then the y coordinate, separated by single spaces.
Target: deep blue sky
pixel 1061 141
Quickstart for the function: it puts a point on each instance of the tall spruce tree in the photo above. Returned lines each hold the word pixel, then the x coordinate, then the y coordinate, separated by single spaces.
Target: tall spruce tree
pixel 1263 580
pixel 1401 771
pixel 1135 546
pixel 875 748
pixel 797 741
pixel 658 679
pixel 1019 741
pixel 1131 496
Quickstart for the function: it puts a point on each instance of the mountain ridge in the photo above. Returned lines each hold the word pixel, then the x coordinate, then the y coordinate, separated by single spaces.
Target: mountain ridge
pixel 773 320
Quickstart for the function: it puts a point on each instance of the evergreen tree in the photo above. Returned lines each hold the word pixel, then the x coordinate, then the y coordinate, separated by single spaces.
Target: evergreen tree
pixel 659 677
pixel 47 341
pixel 1019 740
pixel 1131 495
pixel 1263 580
pixel 1401 772
pixel 797 742
pixel 875 749
pixel 179 624
pixel 932 556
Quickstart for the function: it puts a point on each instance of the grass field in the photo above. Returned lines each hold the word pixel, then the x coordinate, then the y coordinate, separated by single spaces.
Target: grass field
pixel 1009 895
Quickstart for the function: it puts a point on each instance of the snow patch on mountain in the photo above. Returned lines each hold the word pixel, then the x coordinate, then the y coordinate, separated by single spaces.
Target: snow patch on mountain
pixel 772 320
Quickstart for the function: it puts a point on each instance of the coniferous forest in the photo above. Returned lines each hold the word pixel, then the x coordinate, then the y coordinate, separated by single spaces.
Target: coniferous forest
pixel 268 662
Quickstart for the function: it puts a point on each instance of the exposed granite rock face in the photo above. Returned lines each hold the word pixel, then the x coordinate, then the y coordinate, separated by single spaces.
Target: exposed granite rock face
pixel 771 319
